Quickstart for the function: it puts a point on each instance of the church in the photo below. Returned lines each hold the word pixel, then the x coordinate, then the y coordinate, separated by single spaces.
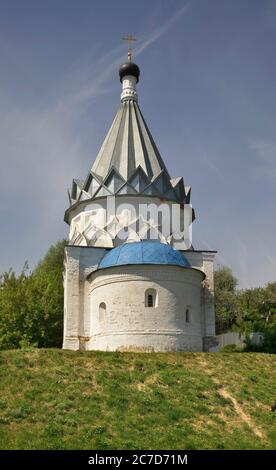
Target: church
pixel 132 279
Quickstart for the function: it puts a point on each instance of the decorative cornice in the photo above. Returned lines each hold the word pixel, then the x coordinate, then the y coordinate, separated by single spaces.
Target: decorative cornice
pixel 103 277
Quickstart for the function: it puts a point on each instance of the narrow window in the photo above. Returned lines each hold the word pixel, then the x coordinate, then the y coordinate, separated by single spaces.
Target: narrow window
pixel 102 311
pixel 151 298
pixel 187 315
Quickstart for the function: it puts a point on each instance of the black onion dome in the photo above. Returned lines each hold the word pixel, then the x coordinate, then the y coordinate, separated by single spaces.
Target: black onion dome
pixel 129 68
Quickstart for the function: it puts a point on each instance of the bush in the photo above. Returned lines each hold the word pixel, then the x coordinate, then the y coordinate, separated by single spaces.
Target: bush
pixel 232 348
pixel 31 306
pixel 268 345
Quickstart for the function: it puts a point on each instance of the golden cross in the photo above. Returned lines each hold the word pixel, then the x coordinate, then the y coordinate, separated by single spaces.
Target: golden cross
pixel 129 38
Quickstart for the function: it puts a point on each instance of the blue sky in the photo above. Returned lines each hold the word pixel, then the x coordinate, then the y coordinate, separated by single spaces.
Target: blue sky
pixel 207 91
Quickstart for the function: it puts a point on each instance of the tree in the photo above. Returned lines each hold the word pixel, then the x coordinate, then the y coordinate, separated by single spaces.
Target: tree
pixel 45 299
pixel 226 303
pixel 258 306
pixel 31 306
pixel 13 301
pixel 245 310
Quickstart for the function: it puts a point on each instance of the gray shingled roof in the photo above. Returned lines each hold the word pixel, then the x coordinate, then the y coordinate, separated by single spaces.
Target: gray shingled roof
pixel 128 145
pixel 128 163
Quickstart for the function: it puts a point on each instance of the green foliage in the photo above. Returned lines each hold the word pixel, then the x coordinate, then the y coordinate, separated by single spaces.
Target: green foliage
pixel 258 313
pixel 246 310
pixel 13 301
pixel 31 306
pixel 258 307
pixel 226 305
pixel 46 297
pixel 269 343
pixel 231 348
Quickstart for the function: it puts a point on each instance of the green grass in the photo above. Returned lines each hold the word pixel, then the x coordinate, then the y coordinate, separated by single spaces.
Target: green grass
pixel 53 399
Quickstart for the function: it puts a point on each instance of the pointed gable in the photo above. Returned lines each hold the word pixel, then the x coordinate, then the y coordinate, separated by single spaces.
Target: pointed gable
pixel 113 181
pixel 139 180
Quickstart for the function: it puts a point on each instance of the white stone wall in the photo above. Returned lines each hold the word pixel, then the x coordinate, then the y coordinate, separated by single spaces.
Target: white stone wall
pixel 78 263
pixel 205 262
pixel 129 325
pixel 80 312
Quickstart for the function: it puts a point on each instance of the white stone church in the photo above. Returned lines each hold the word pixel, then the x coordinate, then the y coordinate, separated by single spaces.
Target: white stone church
pixel 133 280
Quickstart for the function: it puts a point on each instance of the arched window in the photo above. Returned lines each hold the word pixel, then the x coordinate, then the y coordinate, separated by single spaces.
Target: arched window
pixel 187 315
pixel 102 312
pixel 151 298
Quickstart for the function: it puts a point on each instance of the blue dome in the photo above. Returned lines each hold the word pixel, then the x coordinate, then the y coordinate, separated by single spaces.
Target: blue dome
pixel 145 252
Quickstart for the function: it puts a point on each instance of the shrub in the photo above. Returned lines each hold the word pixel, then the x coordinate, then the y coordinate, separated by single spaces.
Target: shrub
pixel 31 305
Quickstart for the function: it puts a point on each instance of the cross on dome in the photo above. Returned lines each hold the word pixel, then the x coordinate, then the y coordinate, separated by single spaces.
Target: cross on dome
pixel 129 38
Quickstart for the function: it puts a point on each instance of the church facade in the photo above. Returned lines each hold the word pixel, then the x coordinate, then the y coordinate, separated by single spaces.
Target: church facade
pixel 132 278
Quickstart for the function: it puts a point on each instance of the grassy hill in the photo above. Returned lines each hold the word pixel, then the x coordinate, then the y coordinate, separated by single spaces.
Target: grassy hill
pixel 52 399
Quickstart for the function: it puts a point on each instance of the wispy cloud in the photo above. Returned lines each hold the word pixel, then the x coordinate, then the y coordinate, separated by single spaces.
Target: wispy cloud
pixel 265 169
pixel 162 29
pixel 266 150
pixel 98 73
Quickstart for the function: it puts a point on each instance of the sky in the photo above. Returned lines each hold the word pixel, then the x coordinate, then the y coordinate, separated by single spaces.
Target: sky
pixel 207 91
